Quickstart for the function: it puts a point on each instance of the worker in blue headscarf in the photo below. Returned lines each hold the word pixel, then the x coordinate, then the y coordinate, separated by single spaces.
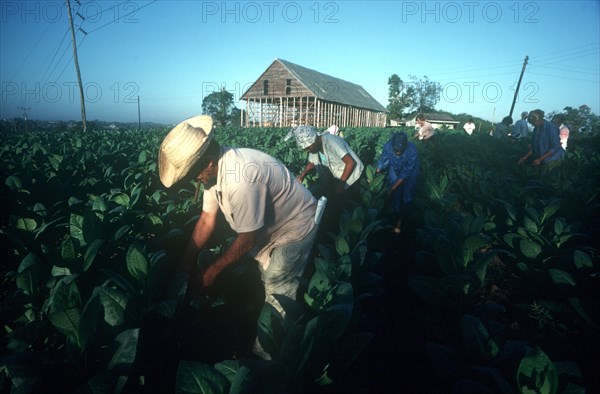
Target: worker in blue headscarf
pixel 400 160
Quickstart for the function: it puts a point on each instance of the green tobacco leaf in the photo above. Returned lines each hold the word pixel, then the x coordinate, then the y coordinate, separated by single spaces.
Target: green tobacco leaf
pixel 473 244
pixel 333 321
pixel 91 226
pixel 31 260
pixel 122 199
pixel 67 322
pixel 76 227
pixel 64 295
pixel 14 183
pixel 270 330
pixel 125 354
pixel 582 259
pixel 28 276
pixel 529 248
pixel 530 224
pixel 60 271
pixel 476 340
pixel 91 252
pixel 40 209
pixel 229 368
pixel 26 224
pixel 550 209
pixel 143 156
pixel 195 377
pixel 308 343
pixel 135 195
pixel 341 245
pixel 55 161
pixel 90 316
pixel 559 226
pixel 121 231
pixel 536 373
pixel 512 239
pixel 137 263
pixel 576 304
pixel 69 249
pixel 99 205
pixel 114 302
pixel 243 381
pixel 561 277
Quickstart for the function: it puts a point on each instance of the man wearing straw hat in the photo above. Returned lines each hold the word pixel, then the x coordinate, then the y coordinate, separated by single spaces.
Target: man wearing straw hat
pixel 271 212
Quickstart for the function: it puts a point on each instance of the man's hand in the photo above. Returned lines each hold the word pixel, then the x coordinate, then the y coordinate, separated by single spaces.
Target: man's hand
pixel 209 276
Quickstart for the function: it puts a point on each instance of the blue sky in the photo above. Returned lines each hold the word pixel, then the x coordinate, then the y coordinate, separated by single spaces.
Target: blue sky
pixel 173 53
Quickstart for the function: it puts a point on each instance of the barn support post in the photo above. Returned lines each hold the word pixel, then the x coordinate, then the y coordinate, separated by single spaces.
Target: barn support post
pixel 319 113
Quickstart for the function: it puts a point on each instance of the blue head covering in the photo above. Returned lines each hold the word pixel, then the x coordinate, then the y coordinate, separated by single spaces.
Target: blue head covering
pixel 399 141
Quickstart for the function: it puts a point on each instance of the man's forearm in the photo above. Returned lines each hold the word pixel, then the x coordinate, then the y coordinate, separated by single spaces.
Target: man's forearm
pixel 241 245
pixel 202 231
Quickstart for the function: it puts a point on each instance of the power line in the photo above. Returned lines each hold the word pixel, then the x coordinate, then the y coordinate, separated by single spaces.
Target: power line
pixel 44 79
pixel 123 16
pixel 563 77
pixel 70 59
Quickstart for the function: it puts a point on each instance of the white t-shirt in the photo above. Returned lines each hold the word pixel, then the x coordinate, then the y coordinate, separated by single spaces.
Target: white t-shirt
pixel 334 148
pixel 256 192
pixel 426 131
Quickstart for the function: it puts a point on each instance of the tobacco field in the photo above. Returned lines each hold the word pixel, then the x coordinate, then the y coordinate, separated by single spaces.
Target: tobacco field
pixel 493 286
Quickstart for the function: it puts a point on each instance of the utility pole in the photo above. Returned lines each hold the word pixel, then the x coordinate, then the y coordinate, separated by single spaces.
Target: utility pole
pixel 139 116
pixel 25 109
pixel 76 61
pixel 512 107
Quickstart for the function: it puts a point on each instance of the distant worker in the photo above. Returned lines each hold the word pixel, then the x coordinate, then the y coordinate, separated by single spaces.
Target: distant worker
pixel 401 161
pixel 502 129
pixel 469 127
pixel 563 131
pixel 521 128
pixel 545 145
pixel 334 130
pixel 426 130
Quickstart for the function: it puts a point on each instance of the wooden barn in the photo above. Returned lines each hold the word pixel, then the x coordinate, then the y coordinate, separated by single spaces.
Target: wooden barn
pixel 287 94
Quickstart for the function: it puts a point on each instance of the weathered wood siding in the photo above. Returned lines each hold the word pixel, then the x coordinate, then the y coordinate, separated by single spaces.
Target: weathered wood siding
pixel 281 83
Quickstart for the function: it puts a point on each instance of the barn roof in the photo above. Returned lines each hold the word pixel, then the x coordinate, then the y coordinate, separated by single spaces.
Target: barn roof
pixel 328 88
pixel 437 117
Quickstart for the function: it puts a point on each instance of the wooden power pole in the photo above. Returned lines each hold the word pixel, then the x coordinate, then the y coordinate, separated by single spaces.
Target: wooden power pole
pixel 76 61
pixel 512 107
pixel 25 109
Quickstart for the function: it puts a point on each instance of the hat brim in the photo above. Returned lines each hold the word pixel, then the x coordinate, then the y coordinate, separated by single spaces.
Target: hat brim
pixel 182 148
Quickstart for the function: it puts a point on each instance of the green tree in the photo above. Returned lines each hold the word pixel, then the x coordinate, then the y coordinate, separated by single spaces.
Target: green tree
pixel 582 119
pixel 426 93
pixel 221 107
pixel 400 97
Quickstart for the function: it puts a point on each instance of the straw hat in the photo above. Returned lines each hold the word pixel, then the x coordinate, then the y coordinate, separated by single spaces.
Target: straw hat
pixel 183 147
